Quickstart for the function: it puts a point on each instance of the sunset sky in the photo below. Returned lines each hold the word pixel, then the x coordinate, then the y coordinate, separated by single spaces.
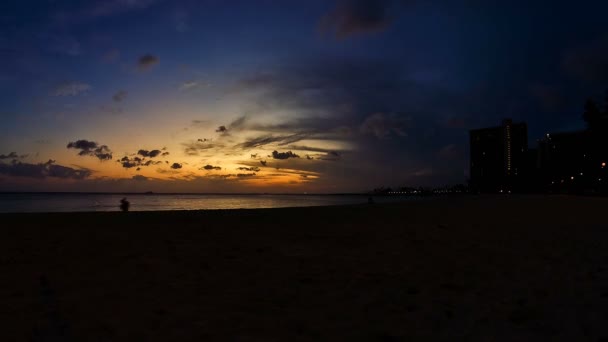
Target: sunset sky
pixel 281 96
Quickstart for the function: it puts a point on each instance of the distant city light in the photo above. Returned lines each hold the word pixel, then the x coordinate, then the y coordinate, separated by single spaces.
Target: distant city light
pixel 603 164
pixel 571 178
pixel 581 173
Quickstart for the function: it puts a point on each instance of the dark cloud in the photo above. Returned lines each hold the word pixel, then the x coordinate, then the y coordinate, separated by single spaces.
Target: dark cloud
pixel 313 149
pixel 140 178
pixel 120 96
pixel 128 163
pixel 263 162
pixel 210 167
pixel 149 154
pixel 253 168
pixel 91 148
pixel 176 166
pixel 245 175
pixel 330 156
pixel 138 162
pixel 165 154
pixel 200 123
pixel 284 155
pixel 193 148
pixel 12 155
pixel 147 62
pixel 43 170
pixel 238 123
pixel 152 162
pixel 270 139
pixel 352 17
pixel 222 129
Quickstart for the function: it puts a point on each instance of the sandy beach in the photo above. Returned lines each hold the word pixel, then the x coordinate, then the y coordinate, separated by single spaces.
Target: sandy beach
pixel 520 268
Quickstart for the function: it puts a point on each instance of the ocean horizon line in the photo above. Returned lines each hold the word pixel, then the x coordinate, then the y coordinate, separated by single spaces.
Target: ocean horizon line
pixel 185 193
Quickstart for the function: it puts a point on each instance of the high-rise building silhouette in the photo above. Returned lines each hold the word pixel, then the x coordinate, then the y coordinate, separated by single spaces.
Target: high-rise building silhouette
pixel 499 156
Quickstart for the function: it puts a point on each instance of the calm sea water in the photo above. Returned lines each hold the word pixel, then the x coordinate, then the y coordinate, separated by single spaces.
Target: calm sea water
pixel 65 202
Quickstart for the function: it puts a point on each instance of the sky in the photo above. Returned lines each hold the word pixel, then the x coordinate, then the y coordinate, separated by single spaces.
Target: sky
pixel 281 96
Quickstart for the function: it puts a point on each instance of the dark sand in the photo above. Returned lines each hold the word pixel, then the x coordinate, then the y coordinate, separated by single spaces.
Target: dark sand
pixel 471 268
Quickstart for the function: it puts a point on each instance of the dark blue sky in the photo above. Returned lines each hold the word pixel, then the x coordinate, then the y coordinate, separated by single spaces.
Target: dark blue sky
pixel 364 93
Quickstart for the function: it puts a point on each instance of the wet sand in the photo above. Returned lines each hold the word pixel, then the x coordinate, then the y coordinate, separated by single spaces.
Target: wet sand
pixel 472 268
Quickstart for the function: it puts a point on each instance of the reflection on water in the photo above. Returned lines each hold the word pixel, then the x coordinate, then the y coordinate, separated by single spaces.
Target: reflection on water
pixel 144 202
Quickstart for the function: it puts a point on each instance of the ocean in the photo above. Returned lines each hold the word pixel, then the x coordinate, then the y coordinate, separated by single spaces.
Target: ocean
pixel 73 202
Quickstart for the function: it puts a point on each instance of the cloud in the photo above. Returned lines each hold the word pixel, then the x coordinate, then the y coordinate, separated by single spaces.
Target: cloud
pixel 120 96
pixel 353 17
pixel 192 85
pixel 43 170
pixel 200 123
pixel 138 162
pixel 245 175
pixel 176 166
pixel 165 154
pixel 221 129
pixel 152 162
pixel 12 155
pixel 71 89
pixel 128 163
pixel 263 162
pixel 150 154
pixel 284 155
pixel 91 148
pixel 140 178
pixel 270 139
pixel 193 148
pixel 147 62
pixel 253 168
pixel 313 149
pixel 210 167
pixel 330 156
pixel 383 125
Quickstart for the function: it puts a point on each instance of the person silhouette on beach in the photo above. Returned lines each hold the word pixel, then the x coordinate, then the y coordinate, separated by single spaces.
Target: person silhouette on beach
pixel 124 204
